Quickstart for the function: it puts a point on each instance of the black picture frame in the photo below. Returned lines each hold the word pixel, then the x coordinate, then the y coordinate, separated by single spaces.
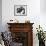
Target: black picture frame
pixel 20 10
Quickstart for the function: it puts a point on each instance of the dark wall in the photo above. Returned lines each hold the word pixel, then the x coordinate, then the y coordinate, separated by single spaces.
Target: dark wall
pixel 0 15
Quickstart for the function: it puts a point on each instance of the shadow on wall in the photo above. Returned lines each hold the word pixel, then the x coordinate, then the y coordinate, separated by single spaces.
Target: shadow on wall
pixel 43 6
pixel 0 15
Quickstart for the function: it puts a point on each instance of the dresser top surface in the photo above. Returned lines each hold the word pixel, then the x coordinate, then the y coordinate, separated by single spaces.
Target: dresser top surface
pixel 19 23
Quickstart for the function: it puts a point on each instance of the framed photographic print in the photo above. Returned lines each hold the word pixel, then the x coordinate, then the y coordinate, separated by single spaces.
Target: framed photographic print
pixel 20 10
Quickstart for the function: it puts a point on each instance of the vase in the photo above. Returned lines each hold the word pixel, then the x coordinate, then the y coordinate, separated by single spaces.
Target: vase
pixel 41 43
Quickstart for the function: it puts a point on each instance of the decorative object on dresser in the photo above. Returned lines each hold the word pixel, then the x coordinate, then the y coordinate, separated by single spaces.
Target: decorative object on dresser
pixel 22 33
pixel 13 21
pixel 20 10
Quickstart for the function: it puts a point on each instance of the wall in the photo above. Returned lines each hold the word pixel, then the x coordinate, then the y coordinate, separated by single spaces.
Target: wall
pixel 34 14
pixel 43 6
pixel 33 10
pixel 43 14
pixel 0 15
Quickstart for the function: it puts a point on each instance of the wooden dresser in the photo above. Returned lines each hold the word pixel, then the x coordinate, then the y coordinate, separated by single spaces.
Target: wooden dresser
pixel 22 33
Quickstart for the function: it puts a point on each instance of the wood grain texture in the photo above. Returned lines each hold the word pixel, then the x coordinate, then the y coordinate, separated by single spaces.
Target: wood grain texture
pixel 23 27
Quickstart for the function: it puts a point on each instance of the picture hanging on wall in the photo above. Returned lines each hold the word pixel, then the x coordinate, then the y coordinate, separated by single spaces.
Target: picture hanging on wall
pixel 20 10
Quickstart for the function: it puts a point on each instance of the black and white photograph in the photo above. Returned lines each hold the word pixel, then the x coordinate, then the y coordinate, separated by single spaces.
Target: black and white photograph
pixel 20 10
